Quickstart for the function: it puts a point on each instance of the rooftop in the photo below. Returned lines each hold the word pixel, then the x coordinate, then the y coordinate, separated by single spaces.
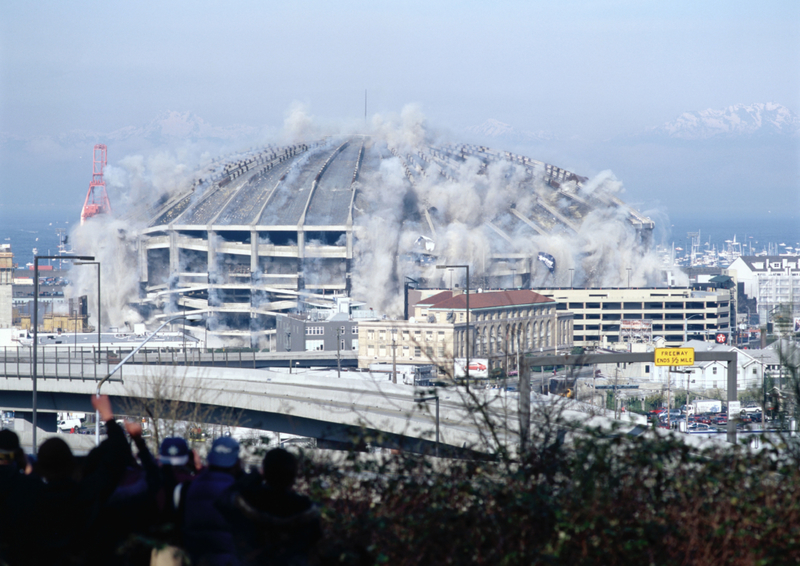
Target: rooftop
pixel 492 299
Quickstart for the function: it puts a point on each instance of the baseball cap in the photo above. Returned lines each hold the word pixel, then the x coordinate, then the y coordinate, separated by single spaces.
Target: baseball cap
pixel 174 451
pixel 224 452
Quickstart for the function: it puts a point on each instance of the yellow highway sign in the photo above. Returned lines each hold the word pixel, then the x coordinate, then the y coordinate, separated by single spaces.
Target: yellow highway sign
pixel 674 356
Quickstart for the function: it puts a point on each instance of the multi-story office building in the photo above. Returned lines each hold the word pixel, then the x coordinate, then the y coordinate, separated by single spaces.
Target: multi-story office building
pixel 501 324
pixel 774 281
pixel 608 316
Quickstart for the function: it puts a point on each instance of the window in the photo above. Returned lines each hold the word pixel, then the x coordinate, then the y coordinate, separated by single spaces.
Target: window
pixel 441 336
pixel 417 351
pixel 405 351
pixel 315 330
pixel 755 372
pixel 354 329
pixel 429 336
pixel 382 351
pixel 370 335
pixel 714 371
pixel 312 345
pixel 440 351
pixel 371 351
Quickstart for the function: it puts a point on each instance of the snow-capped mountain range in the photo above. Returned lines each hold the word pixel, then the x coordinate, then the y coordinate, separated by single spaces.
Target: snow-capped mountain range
pixel 181 125
pixel 739 120
pixel 495 129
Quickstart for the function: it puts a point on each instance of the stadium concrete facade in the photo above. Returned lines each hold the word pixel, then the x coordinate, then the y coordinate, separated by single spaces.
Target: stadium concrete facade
pixel 276 229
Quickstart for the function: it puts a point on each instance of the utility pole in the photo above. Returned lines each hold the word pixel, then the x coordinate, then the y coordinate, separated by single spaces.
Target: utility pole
pixel 394 355
pixel 524 402
pixel 338 355
pixel 669 397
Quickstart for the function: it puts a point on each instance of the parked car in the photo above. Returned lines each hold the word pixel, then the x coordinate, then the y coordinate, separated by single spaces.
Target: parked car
pixel 90 430
pixel 699 427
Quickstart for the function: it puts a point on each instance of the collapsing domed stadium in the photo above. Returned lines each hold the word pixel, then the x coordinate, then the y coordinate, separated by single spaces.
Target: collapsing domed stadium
pixel 281 228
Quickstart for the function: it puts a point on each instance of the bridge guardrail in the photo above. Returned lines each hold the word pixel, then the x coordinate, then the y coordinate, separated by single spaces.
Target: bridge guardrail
pixel 83 363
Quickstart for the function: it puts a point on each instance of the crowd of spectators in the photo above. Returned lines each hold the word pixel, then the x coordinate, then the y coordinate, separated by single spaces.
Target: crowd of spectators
pixel 117 506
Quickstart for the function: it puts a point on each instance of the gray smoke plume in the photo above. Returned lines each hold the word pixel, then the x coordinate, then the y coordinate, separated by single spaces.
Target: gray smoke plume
pixel 467 208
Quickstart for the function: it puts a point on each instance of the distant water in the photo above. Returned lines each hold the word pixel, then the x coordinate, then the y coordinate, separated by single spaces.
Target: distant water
pixel 34 229
pixel 759 232
pixel 37 229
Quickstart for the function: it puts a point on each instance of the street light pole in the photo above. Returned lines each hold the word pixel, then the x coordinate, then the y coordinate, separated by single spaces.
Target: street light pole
pixel 35 319
pixel 338 354
pixel 686 326
pixel 466 342
pixel 99 313
pixel 394 355
pixel 120 364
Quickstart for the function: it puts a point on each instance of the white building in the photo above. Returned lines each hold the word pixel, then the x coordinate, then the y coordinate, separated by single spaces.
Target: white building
pixel 771 280
pixel 6 279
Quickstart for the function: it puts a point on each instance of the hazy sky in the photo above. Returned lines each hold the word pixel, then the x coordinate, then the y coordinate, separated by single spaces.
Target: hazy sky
pixel 591 70
pixel 588 68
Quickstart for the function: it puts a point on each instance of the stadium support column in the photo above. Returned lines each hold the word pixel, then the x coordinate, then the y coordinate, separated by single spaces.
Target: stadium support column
pixel 301 255
pixel 174 259
pixel 213 268
pixel 255 293
pixel 253 252
pixel 174 269
pixel 144 274
pixel 348 262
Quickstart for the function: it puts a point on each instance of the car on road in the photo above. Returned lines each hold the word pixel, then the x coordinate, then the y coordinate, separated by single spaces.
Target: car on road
pixel 90 430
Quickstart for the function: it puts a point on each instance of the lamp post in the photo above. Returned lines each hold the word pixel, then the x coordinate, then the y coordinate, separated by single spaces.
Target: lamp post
pixel 338 354
pixel 686 326
pixel 121 363
pixel 394 355
pixel 35 319
pixel 432 398
pixel 466 369
pixel 99 317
